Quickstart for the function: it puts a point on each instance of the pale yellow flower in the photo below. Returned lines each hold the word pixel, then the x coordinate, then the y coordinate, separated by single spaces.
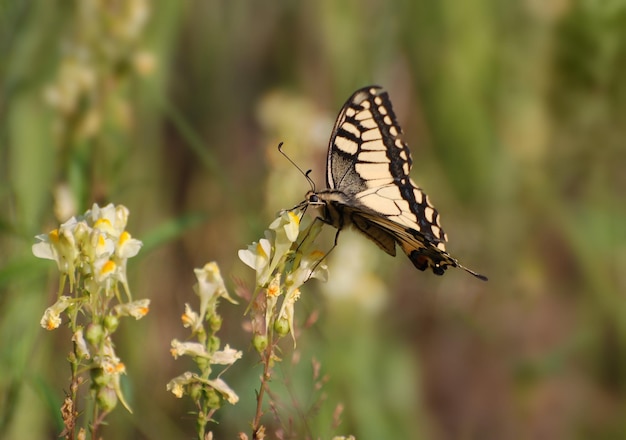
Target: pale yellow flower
pixel 193 349
pixel 178 384
pixel 127 247
pixel 257 257
pixel 227 356
pixel 222 387
pixel 287 310
pixel 52 316
pixel 81 345
pixel 210 287
pixel 137 309
pixel 191 319
pixel 272 293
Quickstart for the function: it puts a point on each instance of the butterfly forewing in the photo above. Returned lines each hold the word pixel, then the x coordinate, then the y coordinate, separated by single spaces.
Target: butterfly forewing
pixel 362 140
pixel 369 184
pixel 368 160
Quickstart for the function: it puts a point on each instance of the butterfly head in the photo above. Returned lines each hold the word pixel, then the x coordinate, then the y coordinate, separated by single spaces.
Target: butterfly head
pixel 312 198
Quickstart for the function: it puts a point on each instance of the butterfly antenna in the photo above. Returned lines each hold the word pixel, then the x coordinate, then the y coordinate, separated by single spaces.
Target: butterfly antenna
pixel 306 175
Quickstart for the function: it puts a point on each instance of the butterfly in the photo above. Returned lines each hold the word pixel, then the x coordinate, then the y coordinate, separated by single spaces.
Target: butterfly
pixel 369 187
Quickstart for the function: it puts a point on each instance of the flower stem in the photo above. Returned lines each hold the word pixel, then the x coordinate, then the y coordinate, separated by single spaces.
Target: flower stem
pixel 267 357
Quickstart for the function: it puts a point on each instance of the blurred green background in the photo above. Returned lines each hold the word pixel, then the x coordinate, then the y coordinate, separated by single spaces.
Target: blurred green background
pixel 516 116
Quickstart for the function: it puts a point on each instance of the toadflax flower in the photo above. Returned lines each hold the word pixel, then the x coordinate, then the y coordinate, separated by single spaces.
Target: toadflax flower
pixel 257 257
pixel 210 288
pixel 206 392
pixel 60 245
pixel 284 260
pixel 191 319
pixel 52 316
pixel 82 350
pixel 91 251
pixel 137 309
pixel 94 245
pixel 179 385
pixel 193 349
pixel 227 356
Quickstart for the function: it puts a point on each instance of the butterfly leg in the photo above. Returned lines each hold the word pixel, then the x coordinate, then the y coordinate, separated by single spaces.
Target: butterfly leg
pixel 328 252
pixel 318 262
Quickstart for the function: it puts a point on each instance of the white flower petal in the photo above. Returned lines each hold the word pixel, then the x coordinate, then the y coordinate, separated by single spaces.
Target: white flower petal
pixel 227 356
pixel 226 391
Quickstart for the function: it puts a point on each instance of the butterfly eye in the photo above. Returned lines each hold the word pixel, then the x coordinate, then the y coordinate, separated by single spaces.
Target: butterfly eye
pixel 313 198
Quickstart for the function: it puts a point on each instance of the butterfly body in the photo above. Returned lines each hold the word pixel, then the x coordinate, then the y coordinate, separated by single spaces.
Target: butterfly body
pixel 369 187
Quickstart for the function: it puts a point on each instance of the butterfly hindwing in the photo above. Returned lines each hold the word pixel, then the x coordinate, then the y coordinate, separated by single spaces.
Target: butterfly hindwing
pixel 421 251
pixel 385 240
pixel 369 184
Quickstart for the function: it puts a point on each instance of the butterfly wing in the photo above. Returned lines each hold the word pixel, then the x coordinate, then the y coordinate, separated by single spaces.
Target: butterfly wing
pixel 365 129
pixel 368 179
pixel 423 252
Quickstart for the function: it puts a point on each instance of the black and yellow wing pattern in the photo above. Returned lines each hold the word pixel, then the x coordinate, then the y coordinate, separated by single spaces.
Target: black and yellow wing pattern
pixel 369 185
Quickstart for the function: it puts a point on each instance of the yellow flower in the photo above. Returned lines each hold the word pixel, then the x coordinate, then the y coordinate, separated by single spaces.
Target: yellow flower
pixel 137 309
pixel 176 388
pixel 127 246
pixel 105 269
pixel 60 245
pixel 210 287
pixel 178 384
pixel 272 293
pixel 193 349
pixel 287 310
pixel 52 316
pixel 81 345
pixel 191 319
pixel 227 356
pixel 257 257
pixel 222 387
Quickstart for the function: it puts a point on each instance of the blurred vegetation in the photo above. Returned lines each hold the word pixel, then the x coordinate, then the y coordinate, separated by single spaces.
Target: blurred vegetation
pixel 516 116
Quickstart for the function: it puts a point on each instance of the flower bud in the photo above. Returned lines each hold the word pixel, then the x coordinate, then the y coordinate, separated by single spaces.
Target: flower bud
pixel 98 378
pixel 215 322
pixel 281 327
pixel 259 342
pixel 213 344
pixel 195 391
pixel 106 399
pixel 94 333
pixel 110 323
pixel 213 398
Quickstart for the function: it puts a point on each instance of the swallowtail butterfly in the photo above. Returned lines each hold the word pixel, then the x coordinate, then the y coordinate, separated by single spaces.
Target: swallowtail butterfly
pixel 369 187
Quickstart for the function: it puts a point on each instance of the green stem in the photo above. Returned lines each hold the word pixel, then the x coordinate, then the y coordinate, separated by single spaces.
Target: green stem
pixel 269 352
